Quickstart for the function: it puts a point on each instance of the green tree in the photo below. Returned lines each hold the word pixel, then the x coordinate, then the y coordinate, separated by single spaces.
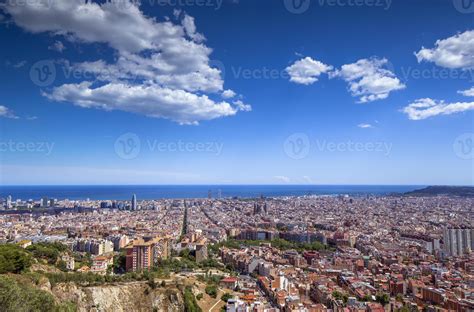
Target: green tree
pixel 225 297
pixel 20 297
pixel 382 298
pixel 13 259
pixel 47 251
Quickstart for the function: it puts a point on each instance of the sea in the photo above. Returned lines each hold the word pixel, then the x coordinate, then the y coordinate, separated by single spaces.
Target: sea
pixel 125 192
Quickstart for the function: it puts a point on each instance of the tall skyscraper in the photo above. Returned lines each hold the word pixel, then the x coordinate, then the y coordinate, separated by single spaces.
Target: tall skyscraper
pixel 457 242
pixel 44 202
pixel 134 202
pixel 9 202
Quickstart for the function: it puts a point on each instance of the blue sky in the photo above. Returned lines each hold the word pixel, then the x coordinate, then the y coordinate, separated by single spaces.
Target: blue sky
pixel 237 92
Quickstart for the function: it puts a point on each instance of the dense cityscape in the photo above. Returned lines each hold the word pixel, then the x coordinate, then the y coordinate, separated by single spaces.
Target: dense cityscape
pixel 237 156
pixel 308 253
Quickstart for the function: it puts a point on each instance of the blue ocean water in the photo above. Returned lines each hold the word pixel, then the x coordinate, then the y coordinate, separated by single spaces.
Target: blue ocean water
pixel 124 192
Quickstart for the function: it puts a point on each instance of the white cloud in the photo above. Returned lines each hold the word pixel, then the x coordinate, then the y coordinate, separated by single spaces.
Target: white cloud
pixel 282 179
pixel 118 23
pixel 57 46
pixel 308 179
pixel 453 52
pixel 190 28
pixel 153 101
pixel 306 71
pixel 7 113
pixel 364 125
pixel 468 92
pixel 425 108
pixel 241 106
pixel 227 94
pixel 369 79
pixel 151 56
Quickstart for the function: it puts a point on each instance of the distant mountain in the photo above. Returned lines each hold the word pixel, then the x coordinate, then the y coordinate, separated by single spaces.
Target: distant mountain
pixel 463 191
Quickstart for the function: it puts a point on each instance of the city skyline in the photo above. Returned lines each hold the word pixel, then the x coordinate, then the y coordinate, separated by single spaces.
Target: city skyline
pixel 237 93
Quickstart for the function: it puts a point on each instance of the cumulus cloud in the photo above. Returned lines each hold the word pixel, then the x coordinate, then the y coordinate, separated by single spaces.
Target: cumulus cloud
pixel 306 71
pixel 453 52
pixel 57 46
pixel 161 69
pixel 7 113
pixel 468 92
pixel 227 94
pixel 241 106
pixel 190 28
pixel 364 125
pixel 426 108
pixel 152 100
pixel 368 79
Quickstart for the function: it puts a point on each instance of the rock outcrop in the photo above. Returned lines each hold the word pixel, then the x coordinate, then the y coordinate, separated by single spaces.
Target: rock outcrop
pixel 133 296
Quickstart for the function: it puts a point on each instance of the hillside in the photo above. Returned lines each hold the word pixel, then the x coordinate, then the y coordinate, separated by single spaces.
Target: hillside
pixel 463 191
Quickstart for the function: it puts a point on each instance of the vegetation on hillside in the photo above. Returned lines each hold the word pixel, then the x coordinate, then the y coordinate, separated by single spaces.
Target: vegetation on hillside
pixel 14 259
pixel 19 296
pixel 190 303
pixel 49 252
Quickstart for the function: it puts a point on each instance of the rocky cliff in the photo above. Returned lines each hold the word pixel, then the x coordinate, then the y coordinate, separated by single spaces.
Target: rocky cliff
pixel 133 296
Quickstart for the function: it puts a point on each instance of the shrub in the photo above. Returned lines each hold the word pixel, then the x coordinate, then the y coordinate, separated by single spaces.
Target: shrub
pixel 226 297
pixel 211 290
